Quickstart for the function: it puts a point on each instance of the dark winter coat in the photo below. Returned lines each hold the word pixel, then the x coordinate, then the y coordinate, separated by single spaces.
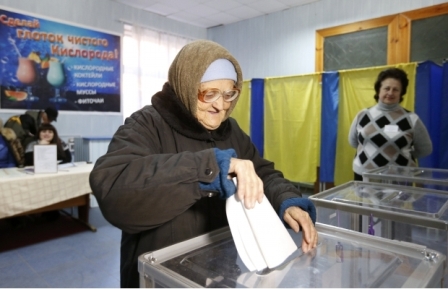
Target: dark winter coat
pixel 147 184
pixel 11 150
pixel 6 158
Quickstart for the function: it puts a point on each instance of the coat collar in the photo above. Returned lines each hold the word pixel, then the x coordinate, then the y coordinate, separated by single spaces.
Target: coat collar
pixel 180 119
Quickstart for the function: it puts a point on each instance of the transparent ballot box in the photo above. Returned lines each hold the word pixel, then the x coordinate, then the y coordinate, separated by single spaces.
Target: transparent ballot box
pixel 404 213
pixel 409 176
pixel 343 258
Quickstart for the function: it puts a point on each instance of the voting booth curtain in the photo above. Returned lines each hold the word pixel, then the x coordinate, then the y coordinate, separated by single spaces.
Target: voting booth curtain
pixel 302 122
pixel 329 125
pixel 443 146
pixel 292 125
pixel 428 106
pixel 241 112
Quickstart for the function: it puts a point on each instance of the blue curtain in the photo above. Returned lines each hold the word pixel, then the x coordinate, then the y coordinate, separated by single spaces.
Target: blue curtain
pixel 257 114
pixel 428 97
pixel 443 144
pixel 329 125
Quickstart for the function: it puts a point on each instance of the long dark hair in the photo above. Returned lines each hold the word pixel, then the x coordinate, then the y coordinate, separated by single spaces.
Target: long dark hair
pixel 395 73
pixel 55 140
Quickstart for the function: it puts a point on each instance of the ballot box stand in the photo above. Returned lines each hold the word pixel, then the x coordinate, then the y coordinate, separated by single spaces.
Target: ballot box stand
pixel 342 258
pixel 403 213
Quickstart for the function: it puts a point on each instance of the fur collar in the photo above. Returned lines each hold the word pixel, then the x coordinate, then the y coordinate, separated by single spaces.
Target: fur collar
pixel 8 133
pixel 181 120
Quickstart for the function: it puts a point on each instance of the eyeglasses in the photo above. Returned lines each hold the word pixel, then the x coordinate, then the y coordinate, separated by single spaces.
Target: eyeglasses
pixel 213 94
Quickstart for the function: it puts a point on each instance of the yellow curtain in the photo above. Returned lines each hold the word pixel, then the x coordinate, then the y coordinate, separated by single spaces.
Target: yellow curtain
pixel 241 112
pixel 292 125
pixel 356 92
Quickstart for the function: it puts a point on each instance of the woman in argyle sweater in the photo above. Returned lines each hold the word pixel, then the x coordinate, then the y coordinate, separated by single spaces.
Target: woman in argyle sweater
pixel 387 133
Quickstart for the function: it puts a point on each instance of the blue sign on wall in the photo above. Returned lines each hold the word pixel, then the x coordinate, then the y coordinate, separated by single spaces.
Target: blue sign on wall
pixel 47 63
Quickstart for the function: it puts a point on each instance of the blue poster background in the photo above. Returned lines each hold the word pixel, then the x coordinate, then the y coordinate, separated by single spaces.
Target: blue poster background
pixel 46 63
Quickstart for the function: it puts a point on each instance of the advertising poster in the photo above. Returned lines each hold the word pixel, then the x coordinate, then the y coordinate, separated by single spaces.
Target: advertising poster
pixel 47 63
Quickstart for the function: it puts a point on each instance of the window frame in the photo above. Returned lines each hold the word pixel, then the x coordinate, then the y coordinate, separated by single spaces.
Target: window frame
pixel 398 33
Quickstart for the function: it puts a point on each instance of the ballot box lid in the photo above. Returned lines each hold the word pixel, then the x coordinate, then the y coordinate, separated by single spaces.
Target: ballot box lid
pixel 426 177
pixel 407 204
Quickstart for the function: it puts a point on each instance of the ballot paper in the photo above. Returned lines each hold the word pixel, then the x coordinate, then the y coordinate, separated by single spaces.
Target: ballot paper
pixel 270 280
pixel 45 159
pixel 260 237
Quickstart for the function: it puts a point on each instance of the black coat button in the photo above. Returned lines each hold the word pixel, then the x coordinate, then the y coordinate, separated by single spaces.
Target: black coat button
pixel 208 172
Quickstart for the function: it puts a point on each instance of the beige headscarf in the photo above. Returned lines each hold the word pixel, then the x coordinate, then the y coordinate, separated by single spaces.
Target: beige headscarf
pixel 190 64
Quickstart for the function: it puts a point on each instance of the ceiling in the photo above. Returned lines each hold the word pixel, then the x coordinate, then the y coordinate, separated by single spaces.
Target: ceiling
pixel 210 13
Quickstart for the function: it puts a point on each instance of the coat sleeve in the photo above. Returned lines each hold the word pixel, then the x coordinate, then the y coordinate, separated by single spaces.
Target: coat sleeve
pixel 66 156
pixel 6 158
pixel 138 187
pixel 18 152
pixel 29 158
pixel 29 154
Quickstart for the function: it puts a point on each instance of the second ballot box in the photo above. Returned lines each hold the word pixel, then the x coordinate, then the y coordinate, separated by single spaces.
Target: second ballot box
pixel 403 213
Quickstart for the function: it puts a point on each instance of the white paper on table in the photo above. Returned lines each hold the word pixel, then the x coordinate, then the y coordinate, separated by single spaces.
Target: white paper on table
pixel 260 237
pixel 66 165
pixel 45 159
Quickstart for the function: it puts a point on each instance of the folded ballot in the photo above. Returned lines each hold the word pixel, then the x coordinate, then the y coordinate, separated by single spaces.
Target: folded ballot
pixel 260 237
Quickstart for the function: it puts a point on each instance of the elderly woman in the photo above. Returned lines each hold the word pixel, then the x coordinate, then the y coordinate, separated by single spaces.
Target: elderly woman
pixel 167 171
pixel 387 133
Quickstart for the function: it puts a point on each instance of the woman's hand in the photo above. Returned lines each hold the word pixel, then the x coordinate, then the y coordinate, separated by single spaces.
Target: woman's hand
pixel 299 219
pixel 250 186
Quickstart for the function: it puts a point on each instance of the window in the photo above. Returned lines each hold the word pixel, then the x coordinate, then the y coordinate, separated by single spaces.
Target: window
pixel 147 56
pixel 426 42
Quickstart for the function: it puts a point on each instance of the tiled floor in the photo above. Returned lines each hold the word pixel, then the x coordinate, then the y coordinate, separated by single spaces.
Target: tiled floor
pixel 85 259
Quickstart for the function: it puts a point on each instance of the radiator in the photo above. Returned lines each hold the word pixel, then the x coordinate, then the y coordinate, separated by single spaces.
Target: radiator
pixel 90 149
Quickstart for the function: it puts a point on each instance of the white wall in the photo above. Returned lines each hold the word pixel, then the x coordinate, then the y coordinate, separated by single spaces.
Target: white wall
pixel 283 43
pixel 278 44
pixel 102 15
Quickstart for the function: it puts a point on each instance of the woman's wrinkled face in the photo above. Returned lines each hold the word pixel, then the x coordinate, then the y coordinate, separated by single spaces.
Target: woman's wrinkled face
pixel 212 114
pixel 46 135
pixel 390 91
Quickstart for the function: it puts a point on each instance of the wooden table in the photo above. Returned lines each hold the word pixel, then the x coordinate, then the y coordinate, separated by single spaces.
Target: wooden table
pixel 22 192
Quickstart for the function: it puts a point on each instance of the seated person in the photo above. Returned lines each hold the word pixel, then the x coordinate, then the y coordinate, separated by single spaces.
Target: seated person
pixel 47 134
pixel 11 151
pixel 26 125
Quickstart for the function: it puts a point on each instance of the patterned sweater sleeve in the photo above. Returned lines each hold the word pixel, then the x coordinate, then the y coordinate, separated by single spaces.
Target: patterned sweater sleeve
pixel 353 133
pixel 422 141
